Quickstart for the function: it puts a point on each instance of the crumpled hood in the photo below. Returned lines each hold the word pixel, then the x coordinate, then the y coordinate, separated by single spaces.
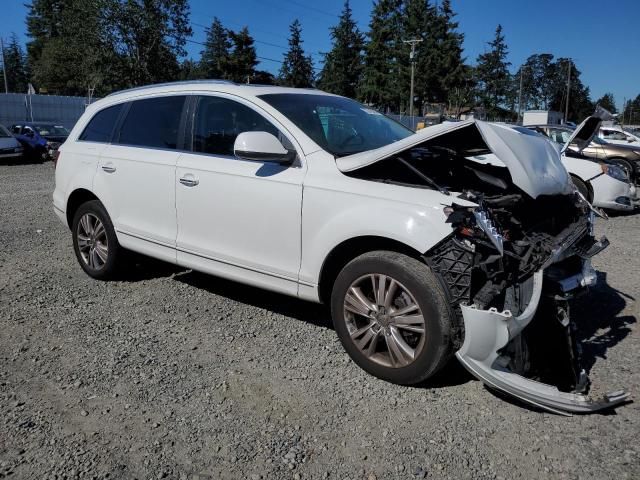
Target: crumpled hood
pixel 534 164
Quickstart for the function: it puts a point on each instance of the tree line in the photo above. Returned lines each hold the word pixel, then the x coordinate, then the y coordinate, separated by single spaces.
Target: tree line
pixel 107 45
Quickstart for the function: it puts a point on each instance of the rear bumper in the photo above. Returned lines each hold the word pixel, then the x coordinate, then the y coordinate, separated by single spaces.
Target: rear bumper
pixel 489 331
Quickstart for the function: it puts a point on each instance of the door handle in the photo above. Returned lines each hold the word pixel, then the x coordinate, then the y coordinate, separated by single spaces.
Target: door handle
pixel 189 181
pixel 108 168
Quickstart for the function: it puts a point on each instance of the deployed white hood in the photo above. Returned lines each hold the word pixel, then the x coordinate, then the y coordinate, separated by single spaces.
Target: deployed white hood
pixel 584 133
pixel 534 164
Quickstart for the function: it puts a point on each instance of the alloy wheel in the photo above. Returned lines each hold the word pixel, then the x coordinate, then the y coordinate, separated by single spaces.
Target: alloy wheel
pixel 384 320
pixel 93 243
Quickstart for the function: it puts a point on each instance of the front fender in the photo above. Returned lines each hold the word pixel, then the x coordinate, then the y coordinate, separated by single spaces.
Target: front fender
pixel 329 220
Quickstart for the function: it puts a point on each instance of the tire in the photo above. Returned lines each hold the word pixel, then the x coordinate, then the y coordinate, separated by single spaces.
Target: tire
pixel 98 252
pixel 582 188
pixel 415 283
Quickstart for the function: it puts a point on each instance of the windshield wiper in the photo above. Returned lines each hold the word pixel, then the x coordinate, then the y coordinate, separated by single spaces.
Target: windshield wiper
pixel 422 176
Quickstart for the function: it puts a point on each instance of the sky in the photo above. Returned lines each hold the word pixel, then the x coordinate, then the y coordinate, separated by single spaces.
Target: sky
pixel 603 38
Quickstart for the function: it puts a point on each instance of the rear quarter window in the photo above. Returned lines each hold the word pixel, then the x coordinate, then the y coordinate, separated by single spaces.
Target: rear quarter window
pixel 100 127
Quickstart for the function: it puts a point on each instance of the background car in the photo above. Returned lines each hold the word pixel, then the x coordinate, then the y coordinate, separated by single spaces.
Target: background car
pixel 603 185
pixel 40 139
pixel 10 148
pixel 617 136
pixel 627 157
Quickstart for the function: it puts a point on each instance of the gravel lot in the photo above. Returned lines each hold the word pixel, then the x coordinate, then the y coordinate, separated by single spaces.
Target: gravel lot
pixel 174 374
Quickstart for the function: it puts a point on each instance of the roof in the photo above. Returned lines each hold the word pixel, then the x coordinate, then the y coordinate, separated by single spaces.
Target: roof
pixel 222 86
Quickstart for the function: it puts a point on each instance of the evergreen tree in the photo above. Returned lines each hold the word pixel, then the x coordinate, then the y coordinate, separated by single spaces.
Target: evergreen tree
pixel 415 23
pixel 453 72
pixel 631 112
pixel 262 77
pixel 242 60
pixel 44 22
pixel 150 37
pixel 71 47
pixel 215 56
pixel 15 62
pixel 608 102
pixel 297 68
pixel 580 104
pixel 343 64
pixel 381 71
pixel 493 74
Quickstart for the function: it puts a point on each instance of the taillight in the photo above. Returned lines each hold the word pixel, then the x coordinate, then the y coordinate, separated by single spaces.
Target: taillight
pixel 56 158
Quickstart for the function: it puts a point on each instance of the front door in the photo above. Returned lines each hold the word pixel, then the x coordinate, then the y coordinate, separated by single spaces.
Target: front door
pixel 238 218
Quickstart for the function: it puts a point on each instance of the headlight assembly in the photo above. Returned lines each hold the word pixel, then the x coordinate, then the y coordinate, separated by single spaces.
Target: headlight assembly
pixel 615 172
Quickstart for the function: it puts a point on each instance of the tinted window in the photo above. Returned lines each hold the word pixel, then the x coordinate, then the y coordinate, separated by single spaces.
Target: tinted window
pixel 101 125
pixel 16 129
pixel 339 125
pixel 219 121
pixel 153 122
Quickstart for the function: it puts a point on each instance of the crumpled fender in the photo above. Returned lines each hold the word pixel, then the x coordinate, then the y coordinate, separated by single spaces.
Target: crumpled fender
pixel 488 331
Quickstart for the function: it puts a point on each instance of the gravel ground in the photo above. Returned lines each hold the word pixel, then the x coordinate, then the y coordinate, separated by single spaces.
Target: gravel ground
pixel 174 374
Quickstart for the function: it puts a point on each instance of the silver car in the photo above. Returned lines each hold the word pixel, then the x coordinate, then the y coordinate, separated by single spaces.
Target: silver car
pixel 10 148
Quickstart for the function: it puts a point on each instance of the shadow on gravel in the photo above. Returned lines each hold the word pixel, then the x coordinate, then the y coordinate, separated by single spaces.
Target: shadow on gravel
pixel 146 268
pixel 312 313
pixel 598 310
pixel 618 213
pixel 8 162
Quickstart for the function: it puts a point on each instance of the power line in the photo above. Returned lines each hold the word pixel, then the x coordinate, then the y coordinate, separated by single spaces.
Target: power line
pixel 313 9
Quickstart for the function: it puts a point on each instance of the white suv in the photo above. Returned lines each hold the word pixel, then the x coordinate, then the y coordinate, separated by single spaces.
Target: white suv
pixel 421 249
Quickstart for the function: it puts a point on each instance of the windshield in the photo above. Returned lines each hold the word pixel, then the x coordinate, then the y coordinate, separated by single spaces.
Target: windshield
pixel 339 125
pixel 57 130
pixel 4 132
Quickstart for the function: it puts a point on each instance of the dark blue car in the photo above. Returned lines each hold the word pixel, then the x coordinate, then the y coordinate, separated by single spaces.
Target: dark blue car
pixel 40 139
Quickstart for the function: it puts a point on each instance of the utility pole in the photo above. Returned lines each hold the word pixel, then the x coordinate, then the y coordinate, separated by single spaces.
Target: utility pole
pixel 4 67
pixel 520 93
pixel 624 108
pixel 412 56
pixel 566 109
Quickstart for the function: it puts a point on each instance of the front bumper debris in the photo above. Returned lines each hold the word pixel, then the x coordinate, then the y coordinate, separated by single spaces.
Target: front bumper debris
pixel 487 332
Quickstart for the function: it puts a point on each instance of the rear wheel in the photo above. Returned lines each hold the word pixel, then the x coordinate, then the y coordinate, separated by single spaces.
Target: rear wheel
pixel 391 316
pixel 94 241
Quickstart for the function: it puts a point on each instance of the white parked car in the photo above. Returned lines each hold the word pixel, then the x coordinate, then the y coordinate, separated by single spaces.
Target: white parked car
pixel 604 185
pixel 420 253
pixel 616 135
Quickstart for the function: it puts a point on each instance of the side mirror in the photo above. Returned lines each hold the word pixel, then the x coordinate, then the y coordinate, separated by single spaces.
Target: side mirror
pixel 262 147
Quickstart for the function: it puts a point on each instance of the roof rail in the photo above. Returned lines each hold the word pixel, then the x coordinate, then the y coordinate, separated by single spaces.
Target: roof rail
pixel 182 82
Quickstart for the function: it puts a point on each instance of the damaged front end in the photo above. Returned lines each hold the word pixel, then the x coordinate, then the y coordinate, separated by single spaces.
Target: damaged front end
pixel 519 250
pixel 512 264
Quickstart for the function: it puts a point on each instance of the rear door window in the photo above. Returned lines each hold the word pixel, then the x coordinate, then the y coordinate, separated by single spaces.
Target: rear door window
pixel 101 126
pixel 218 121
pixel 153 123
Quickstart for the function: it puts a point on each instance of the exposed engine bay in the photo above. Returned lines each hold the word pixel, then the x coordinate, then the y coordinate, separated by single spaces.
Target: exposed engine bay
pixel 511 265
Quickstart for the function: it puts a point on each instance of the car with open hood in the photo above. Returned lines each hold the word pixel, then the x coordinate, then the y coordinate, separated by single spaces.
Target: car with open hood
pixel 420 253
pixel 625 156
pixel 10 148
pixel 605 185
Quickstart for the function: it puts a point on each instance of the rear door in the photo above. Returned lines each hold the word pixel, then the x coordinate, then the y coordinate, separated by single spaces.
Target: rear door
pixel 136 175
pixel 238 218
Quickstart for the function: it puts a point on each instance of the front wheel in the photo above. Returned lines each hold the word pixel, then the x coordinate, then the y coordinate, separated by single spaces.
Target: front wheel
pixel 392 317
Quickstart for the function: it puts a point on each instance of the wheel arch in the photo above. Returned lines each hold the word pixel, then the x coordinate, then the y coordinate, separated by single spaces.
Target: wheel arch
pixel 77 198
pixel 351 248
pixel 586 183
